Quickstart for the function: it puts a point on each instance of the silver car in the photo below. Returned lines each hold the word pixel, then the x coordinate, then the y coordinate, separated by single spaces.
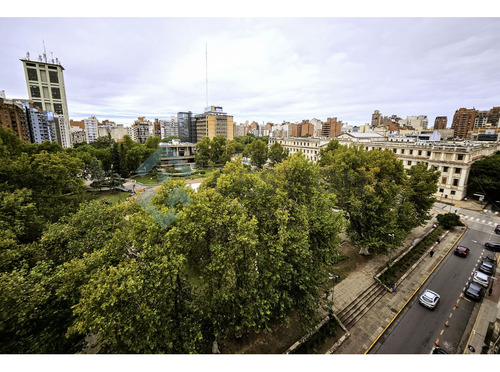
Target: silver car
pixel 481 278
pixel 429 299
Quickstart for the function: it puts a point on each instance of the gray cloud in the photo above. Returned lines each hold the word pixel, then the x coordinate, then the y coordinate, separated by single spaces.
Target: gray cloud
pixel 263 69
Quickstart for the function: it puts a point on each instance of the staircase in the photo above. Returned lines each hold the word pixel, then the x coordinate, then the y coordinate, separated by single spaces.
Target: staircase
pixel 361 305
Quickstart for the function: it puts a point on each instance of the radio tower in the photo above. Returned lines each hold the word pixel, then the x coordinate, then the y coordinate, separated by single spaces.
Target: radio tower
pixel 206 72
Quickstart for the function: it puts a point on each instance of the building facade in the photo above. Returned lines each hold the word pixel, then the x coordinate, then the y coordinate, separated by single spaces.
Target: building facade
pixel 45 83
pixel 452 159
pixel 440 122
pixel 213 123
pixel 331 128
pixel 90 126
pixel 187 126
pixel 12 116
pixel 142 129
pixel 463 122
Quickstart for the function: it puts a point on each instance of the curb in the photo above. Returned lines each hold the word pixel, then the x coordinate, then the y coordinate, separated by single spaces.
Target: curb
pixel 416 290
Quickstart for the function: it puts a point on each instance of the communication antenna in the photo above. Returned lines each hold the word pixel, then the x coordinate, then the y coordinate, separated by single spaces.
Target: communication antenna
pixel 52 56
pixel 206 71
pixel 44 52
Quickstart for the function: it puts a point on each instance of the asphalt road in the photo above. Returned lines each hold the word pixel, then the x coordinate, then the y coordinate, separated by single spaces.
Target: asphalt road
pixel 417 328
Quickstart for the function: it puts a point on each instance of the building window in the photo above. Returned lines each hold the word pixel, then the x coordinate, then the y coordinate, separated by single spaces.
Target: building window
pixel 411 152
pixel 457 170
pixel 53 77
pixel 56 93
pixel 419 152
pixel 452 192
pixel 38 105
pixel 455 182
pixel 443 180
pixel 32 75
pixel 441 190
pixel 35 90
pixel 460 157
pixel 402 151
pixel 58 108
pixel 409 162
pixel 428 153
pixel 445 169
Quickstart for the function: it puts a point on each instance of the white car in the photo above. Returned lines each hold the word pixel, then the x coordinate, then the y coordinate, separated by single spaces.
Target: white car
pixel 481 278
pixel 429 299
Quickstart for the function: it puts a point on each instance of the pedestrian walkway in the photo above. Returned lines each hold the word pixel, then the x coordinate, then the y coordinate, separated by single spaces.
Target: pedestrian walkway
pixel 365 332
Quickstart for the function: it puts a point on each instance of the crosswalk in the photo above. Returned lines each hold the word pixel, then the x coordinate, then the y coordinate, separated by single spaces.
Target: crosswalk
pixel 477 219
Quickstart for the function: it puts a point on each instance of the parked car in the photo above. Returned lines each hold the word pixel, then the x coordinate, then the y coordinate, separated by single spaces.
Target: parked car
pixel 486 267
pixel 462 251
pixel 481 278
pixel 493 246
pixel 474 291
pixel 429 299
pixel 497 229
pixel 438 350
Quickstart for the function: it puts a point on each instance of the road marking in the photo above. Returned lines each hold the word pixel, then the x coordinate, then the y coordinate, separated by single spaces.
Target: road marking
pixel 450 315
pixel 483 221
pixel 442 331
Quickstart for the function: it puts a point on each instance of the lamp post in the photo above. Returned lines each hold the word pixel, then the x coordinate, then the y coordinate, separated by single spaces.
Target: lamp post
pixel 334 278
pixel 392 246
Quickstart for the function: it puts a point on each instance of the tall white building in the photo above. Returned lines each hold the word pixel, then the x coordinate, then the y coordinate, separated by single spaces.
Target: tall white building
pixel 45 83
pixel 63 131
pixel 169 127
pixel 91 124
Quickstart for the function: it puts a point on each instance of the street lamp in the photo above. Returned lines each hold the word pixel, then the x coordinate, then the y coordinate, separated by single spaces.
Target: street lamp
pixel 392 246
pixel 334 278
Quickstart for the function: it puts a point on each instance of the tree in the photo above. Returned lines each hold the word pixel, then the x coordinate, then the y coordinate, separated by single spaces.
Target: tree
pixel 152 142
pixel 103 142
pixel 484 178
pixel 277 153
pixel 202 156
pixel 169 138
pixel 369 186
pixel 257 151
pixel 449 220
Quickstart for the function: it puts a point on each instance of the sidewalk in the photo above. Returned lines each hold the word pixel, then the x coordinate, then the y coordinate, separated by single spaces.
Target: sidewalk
pixel 364 333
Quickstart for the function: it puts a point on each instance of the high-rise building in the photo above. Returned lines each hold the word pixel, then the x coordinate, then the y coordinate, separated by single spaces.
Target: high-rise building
pixel 187 126
pixel 12 116
pixel 481 119
pixel 41 125
pixel 142 129
pixel 45 83
pixel 331 128
pixel 169 127
pixel 63 131
pixel 463 121
pixel 440 122
pixel 90 125
pixel 376 119
pixel 213 123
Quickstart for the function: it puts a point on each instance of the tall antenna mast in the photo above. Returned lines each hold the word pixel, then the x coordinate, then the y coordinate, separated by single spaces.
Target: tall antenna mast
pixel 206 70
pixel 44 52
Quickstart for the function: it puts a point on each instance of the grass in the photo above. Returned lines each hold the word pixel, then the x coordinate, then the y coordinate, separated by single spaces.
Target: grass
pixel 110 197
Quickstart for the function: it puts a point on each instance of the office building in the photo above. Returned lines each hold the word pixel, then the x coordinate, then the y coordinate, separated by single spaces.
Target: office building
pixel 187 127
pixel 45 83
pixel 213 123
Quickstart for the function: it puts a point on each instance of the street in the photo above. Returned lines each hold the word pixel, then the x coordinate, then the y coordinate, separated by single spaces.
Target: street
pixel 417 329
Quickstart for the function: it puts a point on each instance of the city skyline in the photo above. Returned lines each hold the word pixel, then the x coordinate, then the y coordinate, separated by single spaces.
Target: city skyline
pixel 262 69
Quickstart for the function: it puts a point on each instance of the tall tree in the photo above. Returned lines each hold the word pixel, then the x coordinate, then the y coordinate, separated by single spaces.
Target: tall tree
pixel 257 151
pixel 277 153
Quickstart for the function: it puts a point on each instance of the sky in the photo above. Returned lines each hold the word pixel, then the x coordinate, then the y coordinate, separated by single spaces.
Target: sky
pixel 284 65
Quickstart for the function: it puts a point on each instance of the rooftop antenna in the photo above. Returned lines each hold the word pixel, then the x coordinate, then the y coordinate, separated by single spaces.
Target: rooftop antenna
pixel 206 71
pixel 44 52
pixel 52 55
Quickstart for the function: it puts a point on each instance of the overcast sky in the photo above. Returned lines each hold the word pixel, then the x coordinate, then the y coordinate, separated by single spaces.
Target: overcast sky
pixel 262 69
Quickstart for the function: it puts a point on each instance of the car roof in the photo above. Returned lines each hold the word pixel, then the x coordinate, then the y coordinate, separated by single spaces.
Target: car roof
pixel 486 263
pixel 430 293
pixel 462 248
pixel 473 285
pixel 480 274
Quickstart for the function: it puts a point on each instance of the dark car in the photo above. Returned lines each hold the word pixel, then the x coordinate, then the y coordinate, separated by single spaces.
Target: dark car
pixel 493 246
pixel 474 291
pixel 497 229
pixel 462 251
pixel 438 350
pixel 486 267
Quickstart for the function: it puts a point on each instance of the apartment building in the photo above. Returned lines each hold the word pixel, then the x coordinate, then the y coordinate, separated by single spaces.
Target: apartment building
pixel 142 129
pixel 12 116
pixel 309 146
pixel 463 122
pixel 90 126
pixel 331 128
pixel 440 122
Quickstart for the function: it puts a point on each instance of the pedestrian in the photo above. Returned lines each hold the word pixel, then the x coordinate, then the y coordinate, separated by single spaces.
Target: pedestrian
pixel 431 253
pixel 394 288
pixel 490 291
pixel 439 240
